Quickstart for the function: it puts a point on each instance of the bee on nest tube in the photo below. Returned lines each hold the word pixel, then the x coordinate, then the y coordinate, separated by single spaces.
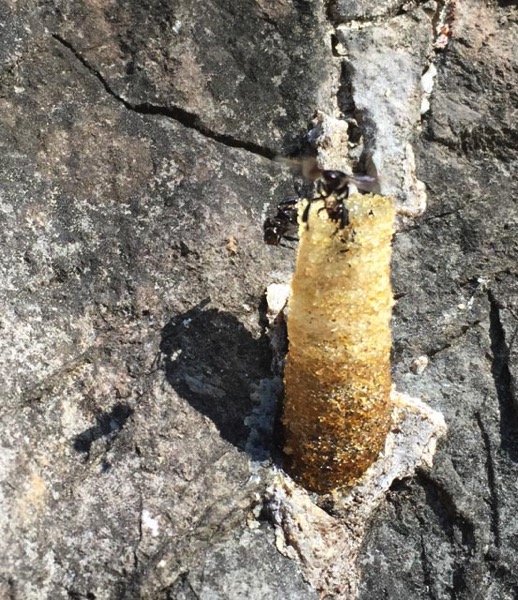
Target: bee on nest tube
pixel 332 187
pixel 337 382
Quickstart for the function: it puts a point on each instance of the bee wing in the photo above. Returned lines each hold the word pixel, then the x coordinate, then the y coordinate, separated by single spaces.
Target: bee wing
pixel 366 183
pixel 288 202
pixel 306 166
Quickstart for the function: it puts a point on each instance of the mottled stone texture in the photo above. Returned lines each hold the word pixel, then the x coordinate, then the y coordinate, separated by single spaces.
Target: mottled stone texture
pixel 134 174
pixel 343 11
pixel 250 69
pixel 451 532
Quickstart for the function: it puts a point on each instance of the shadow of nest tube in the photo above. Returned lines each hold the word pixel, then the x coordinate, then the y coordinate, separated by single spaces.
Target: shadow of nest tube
pixel 212 360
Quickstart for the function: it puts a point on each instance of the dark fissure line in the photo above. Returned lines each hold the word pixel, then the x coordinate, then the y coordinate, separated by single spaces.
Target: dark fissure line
pixel 184 117
pixel 503 382
pixel 427 572
pixel 463 330
pixel 491 481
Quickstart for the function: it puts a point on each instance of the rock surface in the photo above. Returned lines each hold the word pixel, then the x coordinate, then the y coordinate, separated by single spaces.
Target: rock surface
pixel 135 174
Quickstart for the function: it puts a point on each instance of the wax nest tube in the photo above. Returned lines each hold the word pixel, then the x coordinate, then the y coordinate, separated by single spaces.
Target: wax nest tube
pixel 337 409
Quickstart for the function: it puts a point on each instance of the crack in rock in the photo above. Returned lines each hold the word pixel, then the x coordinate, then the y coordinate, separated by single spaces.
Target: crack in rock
pixel 184 117
pixel 503 381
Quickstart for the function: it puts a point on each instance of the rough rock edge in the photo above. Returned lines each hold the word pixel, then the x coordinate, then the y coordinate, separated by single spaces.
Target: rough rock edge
pixel 327 545
pixel 330 137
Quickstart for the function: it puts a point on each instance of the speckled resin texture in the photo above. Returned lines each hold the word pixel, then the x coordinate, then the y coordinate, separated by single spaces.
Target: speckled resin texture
pixel 337 409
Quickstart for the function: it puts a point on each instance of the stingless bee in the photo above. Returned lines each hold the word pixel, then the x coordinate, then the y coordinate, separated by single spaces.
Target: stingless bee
pixel 282 226
pixel 333 187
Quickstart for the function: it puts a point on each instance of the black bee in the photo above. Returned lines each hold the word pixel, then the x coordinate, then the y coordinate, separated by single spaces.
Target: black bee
pixel 283 224
pixel 332 187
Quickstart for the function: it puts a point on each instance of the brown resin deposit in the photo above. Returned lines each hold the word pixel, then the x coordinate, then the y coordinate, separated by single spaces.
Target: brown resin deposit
pixel 337 377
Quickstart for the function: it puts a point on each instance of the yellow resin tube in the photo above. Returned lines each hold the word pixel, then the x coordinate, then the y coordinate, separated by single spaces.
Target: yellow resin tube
pixel 337 380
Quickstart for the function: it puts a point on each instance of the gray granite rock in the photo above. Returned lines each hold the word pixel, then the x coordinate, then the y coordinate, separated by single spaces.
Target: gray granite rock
pixel 136 171
pixel 246 70
pixel 451 532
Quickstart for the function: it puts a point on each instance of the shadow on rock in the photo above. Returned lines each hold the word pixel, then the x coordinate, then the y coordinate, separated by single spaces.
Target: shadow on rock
pixel 108 426
pixel 213 361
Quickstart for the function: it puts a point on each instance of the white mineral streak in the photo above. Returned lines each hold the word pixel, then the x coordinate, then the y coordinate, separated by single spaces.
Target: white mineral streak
pixel 427 83
pixel 330 136
pixel 276 299
pixel 417 206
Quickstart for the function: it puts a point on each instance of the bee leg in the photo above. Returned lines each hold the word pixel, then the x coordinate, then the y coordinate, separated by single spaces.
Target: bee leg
pixel 321 189
pixel 288 238
pixel 305 214
pixel 344 217
pixel 289 201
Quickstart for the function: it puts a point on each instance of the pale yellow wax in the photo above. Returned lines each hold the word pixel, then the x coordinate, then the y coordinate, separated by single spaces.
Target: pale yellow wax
pixel 337 380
